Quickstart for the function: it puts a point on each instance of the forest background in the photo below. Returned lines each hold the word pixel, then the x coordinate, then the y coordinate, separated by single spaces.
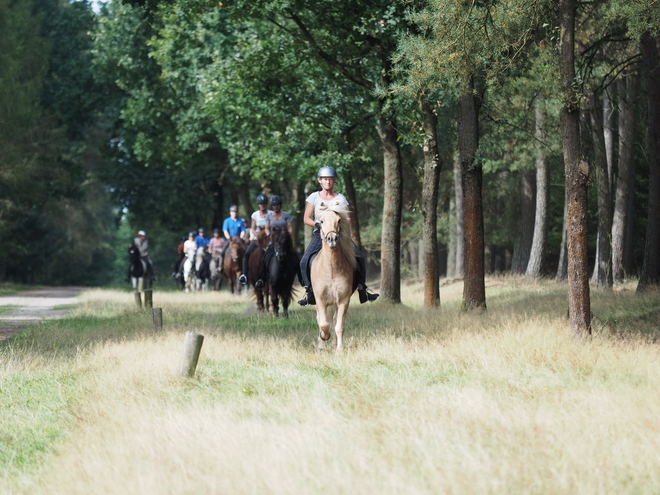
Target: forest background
pixel 445 119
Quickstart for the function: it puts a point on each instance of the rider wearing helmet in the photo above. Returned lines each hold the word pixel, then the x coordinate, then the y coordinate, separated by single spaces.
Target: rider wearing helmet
pixel 274 220
pixel 258 223
pixel 201 240
pixel 190 246
pixel 327 177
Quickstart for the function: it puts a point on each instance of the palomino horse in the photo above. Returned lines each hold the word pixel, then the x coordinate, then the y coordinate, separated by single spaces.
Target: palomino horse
pixel 254 270
pixel 215 268
pixel 332 272
pixel 282 266
pixel 232 263
pixel 139 270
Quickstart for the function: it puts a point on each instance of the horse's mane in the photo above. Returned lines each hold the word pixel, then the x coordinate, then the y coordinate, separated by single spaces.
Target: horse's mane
pixel 345 242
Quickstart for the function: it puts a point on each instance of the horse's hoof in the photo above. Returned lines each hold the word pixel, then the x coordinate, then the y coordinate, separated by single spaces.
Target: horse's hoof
pixel 321 336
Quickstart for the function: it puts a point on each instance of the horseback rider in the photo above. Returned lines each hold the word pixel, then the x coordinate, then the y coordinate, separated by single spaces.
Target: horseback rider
pixel 216 243
pixel 190 246
pixel 201 240
pixel 142 245
pixel 258 223
pixel 276 219
pixel 232 227
pixel 327 177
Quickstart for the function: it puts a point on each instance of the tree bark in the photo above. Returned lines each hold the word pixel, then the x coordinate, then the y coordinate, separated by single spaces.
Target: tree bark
pixel 432 166
pixel 577 178
pixel 523 245
pixel 459 267
pixel 390 275
pixel 562 266
pixel 603 268
pixel 474 288
pixel 352 199
pixel 542 193
pixel 650 276
pixel 628 91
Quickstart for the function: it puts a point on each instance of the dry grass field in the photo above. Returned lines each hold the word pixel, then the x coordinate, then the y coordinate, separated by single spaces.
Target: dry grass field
pixel 419 402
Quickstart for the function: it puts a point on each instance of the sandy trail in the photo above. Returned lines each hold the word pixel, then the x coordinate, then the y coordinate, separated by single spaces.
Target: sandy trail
pixel 34 306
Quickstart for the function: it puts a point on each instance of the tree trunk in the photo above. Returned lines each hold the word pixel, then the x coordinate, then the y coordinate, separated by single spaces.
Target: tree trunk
pixel 459 270
pixel 542 193
pixel 451 244
pixel 390 278
pixel 628 90
pixel 432 166
pixel 604 253
pixel 474 288
pixel 608 129
pixel 352 199
pixel 523 245
pixel 650 276
pixel 562 266
pixel 577 178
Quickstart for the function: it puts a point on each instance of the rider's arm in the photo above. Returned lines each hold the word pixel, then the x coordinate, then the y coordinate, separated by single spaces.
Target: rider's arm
pixel 308 217
pixel 267 228
pixel 226 233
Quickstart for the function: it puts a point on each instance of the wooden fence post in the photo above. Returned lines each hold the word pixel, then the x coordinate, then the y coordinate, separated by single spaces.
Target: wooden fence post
pixel 193 346
pixel 157 318
pixel 138 299
pixel 148 298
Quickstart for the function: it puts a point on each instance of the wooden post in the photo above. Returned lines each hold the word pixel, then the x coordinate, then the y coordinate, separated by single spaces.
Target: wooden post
pixel 157 319
pixel 148 298
pixel 138 299
pixel 193 346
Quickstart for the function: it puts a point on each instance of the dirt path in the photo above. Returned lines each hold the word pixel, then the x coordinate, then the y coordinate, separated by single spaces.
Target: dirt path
pixel 34 306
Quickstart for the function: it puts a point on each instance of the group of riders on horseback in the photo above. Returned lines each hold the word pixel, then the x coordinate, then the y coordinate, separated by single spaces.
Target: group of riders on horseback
pixel 204 259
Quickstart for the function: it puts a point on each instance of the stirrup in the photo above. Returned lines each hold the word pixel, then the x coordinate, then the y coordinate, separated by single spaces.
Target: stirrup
pixel 308 299
pixel 366 296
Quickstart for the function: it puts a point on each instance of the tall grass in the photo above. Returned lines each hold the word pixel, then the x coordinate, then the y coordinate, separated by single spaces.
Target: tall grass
pixel 420 401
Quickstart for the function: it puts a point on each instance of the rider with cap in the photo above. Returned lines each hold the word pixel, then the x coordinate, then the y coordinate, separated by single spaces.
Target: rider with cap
pixel 276 219
pixel 258 224
pixel 142 245
pixel 327 177
pixel 232 227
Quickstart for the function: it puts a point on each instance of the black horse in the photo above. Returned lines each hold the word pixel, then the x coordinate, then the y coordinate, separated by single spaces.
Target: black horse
pixel 281 265
pixel 203 272
pixel 140 273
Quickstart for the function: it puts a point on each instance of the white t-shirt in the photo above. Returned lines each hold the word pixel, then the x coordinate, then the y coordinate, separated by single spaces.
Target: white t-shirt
pixel 260 221
pixel 315 200
pixel 190 247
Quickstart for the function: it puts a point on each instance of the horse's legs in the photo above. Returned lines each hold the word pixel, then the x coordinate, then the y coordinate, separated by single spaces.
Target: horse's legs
pixel 324 324
pixel 275 303
pixel 340 317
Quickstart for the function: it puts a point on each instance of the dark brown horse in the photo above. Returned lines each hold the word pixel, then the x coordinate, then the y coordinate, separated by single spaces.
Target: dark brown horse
pixel 255 269
pixel 232 263
pixel 282 265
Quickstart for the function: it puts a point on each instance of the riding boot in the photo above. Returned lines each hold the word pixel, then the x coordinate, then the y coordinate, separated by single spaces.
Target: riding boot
pixel 309 297
pixel 366 296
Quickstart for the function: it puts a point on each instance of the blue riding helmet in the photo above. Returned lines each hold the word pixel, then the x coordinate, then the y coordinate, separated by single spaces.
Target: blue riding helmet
pixel 275 200
pixel 262 199
pixel 326 172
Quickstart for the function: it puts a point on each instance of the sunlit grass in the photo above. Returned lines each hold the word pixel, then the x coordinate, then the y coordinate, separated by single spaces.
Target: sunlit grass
pixel 421 401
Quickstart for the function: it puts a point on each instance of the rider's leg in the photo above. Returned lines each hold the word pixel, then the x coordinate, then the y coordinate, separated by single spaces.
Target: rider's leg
pixel 361 275
pixel 246 257
pixel 314 247
pixel 263 274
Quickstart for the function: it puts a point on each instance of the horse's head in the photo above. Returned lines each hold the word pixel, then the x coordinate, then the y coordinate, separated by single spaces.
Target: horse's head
pixel 262 239
pixel 236 248
pixel 331 228
pixel 281 242
pixel 133 253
